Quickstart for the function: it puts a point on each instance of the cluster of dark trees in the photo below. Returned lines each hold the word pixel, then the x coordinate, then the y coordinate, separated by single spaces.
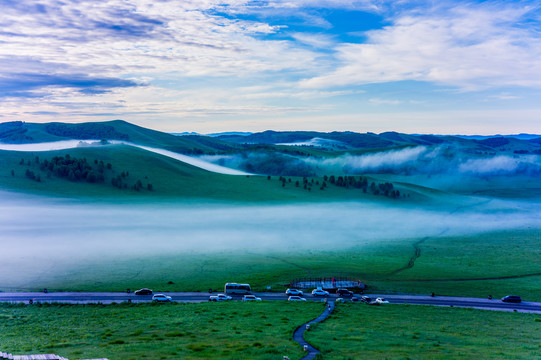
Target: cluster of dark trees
pixel 384 189
pixel 347 181
pixel 30 174
pixel 74 169
pixel 80 169
pixel 121 181
pixel 306 184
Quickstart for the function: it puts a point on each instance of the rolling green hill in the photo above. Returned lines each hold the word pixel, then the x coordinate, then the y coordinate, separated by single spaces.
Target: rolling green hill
pixel 168 178
pixel 18 132
pixel 334 153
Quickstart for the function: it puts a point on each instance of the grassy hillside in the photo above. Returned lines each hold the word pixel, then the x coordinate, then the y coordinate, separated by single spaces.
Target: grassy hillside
pixel 19 133
pixel 168 178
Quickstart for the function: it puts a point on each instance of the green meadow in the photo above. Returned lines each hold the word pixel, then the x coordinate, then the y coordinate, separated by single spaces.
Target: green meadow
pixel 232 330
pixel 356 331
pixel 264 331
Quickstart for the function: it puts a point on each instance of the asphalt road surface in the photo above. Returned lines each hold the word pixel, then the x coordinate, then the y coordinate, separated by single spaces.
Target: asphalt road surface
pixel 117 297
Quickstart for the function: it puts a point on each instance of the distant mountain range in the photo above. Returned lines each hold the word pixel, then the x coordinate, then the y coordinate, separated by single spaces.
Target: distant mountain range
pixel 18 132
pixel 520 136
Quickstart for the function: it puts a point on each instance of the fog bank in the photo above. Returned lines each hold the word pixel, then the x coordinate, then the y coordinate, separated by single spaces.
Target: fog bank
pixel 57 233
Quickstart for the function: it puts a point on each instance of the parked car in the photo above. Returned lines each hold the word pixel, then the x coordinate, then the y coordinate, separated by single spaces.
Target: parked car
pixel 250 298
pixel 143 292
pixel 366 299
pixel 512 299
pixel 356 299
pixel 162 298
pixel 320 292
pixel 344 293
pixel 295 298
pixel 220 297
pixel 381 301
pixel 294 292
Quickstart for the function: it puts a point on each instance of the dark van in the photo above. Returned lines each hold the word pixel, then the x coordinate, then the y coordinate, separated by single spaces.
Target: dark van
pixel 511 299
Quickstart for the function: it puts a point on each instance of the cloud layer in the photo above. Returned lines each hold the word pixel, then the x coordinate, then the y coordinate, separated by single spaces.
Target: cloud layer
pixel 234 64
pixel 464 46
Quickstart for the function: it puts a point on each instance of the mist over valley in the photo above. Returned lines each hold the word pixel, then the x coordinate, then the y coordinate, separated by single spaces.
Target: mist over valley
pixel 307 198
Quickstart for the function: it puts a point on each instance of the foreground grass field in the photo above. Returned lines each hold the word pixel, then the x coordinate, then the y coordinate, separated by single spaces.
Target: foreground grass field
pixel 156 331
pixel 356 331
pixel 264 330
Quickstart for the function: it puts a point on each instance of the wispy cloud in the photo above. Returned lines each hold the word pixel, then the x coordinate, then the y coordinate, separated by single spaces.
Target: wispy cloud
pixel 470 47
pixel 378 101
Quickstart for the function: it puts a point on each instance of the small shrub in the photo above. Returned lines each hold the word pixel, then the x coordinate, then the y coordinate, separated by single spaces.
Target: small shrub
pixel 196 347
pixel 116 342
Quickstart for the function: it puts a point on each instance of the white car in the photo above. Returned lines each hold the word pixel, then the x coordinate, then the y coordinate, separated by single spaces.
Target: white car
pixel 381 301
pixel 295 298
pixel 162 298
pixel 250 298
pixel 220 297
pixel 294 292
pixel 320 292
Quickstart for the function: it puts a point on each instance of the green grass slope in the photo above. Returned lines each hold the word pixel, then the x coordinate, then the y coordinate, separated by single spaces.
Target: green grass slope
pixel 169 178
pixel 20 132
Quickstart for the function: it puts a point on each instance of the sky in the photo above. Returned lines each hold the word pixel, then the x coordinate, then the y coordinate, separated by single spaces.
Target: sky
pixel 413 66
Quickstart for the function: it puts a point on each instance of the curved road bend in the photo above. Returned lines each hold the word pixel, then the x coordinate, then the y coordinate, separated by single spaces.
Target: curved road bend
pixel 298 335
pixel 110 297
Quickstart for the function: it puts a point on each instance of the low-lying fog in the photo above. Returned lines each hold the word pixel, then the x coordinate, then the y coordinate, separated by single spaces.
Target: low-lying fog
pixel 51 231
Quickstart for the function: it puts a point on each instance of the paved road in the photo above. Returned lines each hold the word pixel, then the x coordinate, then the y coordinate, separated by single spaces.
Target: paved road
pixel 298 335
pixel 110 297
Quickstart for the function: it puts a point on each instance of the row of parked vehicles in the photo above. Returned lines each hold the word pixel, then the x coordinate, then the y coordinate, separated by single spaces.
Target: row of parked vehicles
pixel 297 295
pixel 294 295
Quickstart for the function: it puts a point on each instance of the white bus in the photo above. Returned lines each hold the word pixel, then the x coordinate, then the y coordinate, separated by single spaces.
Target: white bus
pixel 241 289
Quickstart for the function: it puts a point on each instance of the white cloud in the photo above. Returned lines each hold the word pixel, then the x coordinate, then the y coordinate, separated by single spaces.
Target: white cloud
pixel 470 47
pixel 315 40
pixel 121 37
pixel 377 101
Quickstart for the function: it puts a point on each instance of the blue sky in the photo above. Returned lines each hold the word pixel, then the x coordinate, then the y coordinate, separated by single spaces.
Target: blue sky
pixel 443 67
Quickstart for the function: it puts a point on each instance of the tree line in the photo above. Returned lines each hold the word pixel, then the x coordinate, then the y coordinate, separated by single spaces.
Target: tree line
pixel 349 182
pixel 80 170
